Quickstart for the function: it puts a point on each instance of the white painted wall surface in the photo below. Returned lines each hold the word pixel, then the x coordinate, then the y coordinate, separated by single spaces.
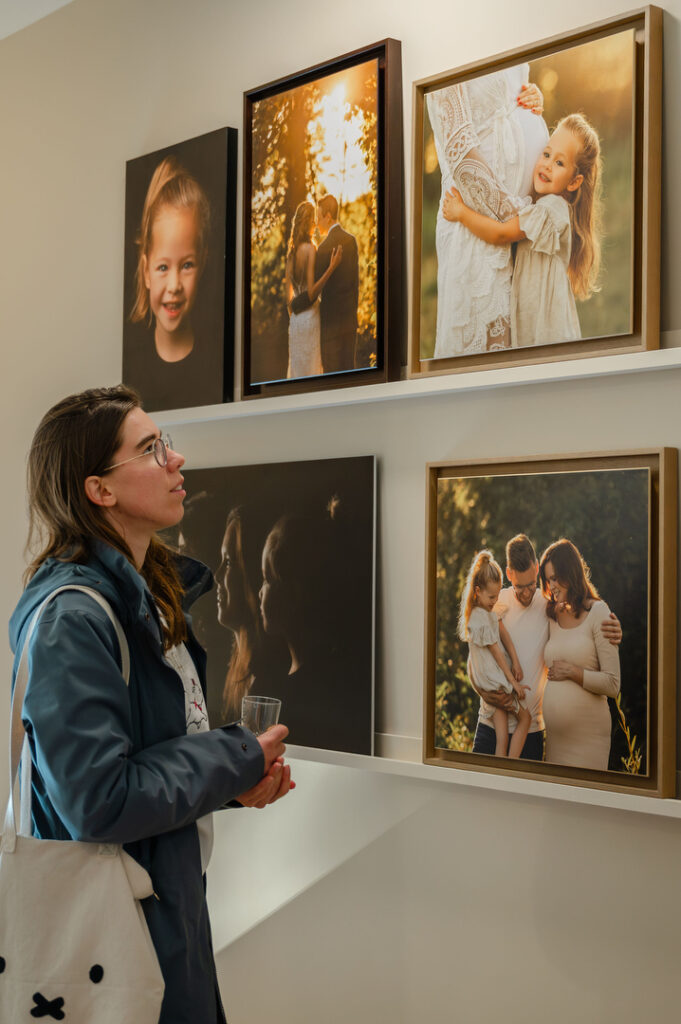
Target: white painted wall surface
pixel 361 898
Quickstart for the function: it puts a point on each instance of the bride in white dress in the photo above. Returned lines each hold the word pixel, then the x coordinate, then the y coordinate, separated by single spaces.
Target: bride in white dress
pixel 487 144
pixel 304 328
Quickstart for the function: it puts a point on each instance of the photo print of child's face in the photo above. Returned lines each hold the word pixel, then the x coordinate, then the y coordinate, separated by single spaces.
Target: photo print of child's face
pixel 178 303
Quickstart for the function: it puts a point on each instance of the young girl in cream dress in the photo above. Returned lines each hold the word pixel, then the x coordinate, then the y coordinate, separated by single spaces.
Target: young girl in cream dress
pixel 558 254
pixel 485 634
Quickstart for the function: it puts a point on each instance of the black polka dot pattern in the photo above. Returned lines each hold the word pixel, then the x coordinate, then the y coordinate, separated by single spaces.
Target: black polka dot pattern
pixel 96 973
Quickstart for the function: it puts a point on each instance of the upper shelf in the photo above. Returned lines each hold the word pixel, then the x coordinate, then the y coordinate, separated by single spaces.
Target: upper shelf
pixel 509 376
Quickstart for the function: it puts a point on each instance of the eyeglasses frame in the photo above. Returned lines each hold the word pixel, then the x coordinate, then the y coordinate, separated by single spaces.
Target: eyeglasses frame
pixel 159 443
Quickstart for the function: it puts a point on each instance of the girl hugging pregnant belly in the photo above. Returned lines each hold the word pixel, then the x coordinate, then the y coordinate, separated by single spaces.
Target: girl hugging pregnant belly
pixel 558 254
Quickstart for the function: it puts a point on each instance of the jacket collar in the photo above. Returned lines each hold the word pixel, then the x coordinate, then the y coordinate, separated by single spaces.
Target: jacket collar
pixel 110 572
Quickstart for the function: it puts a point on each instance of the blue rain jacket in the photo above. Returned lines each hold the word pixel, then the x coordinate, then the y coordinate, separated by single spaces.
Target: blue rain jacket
pixel 114 764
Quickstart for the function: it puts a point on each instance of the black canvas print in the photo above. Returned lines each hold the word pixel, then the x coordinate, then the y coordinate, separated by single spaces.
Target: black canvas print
pixel 178 319
pixel 292 614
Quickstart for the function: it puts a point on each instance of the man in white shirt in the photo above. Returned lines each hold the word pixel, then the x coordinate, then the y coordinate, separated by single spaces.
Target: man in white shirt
pixel 522 607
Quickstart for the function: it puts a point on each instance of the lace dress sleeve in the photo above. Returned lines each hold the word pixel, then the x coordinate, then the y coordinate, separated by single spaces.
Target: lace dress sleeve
pixel 449 108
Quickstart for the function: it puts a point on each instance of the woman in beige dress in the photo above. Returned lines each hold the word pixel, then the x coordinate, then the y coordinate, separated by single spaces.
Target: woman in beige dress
pixel 583 667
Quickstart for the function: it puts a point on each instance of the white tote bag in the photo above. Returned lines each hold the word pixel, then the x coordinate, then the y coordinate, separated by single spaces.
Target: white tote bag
pixel 74 943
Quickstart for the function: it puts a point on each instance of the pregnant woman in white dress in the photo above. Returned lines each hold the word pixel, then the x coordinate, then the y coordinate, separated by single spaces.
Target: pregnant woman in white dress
pixel 487 144
pixel 304 329
pixel 583 667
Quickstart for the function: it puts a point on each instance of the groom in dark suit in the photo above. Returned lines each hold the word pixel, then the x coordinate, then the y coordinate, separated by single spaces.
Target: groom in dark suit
pixel 340 293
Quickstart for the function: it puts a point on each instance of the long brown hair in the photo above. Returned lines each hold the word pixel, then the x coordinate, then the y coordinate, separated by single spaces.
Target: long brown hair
pixel 302 227
pixel 77 438
pixel 172 186
pixel 572 572
pixel 248 637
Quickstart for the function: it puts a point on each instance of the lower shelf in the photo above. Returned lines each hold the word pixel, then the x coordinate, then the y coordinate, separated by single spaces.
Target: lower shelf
pixel 480 780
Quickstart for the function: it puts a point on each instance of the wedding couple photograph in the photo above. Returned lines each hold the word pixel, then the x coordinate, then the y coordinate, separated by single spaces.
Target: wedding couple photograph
pixel 312 252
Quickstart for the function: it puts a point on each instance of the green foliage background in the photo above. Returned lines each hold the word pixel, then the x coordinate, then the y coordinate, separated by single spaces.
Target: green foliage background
pixel 597 80
pixel 605 513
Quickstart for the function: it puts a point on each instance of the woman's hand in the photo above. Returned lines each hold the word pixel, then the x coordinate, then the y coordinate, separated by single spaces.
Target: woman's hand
pixel 516 669
pixel 612 629
pixel 453 205
pixel 565 670
pixel 275 784
pixel 272 743
pixel 531 98
pixel 336 257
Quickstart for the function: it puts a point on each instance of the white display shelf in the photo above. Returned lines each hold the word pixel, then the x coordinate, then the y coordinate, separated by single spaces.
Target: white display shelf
pixel 498 783
pixel 423 387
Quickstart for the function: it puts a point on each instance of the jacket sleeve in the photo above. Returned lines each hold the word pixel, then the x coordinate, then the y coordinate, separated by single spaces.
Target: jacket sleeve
pixel 77 714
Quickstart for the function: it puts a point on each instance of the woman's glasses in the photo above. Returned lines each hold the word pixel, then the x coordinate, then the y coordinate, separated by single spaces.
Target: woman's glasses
pixel 158 448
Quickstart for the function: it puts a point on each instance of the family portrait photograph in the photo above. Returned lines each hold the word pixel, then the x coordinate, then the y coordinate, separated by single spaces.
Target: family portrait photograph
pixel 291 616
pixel 543 588
pixel 316 164
pixel 529 197
pixel 179 264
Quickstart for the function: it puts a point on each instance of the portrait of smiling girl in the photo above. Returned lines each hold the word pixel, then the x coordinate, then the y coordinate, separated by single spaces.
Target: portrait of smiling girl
pixel 171 256
pixel 178 273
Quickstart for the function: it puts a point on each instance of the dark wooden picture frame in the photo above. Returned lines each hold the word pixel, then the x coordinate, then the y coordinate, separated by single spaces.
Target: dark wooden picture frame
pixel 620 510
pixel 198 178
pixel 624 315
pixel 264 346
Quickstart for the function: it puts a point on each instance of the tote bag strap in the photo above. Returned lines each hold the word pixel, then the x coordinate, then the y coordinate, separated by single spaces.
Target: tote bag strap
pixel 19 749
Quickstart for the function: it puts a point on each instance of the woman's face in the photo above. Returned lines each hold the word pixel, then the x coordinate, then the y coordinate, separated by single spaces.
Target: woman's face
pixel 141 497
pixel 271 604
pixel 231 582
pixel 559 591
pixel 171 267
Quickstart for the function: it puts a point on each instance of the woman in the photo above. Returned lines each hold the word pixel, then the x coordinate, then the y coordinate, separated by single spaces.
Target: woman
pixel 583 667
pixel 114 764
pixel 239 611
pixel 487 138
pixel 304 329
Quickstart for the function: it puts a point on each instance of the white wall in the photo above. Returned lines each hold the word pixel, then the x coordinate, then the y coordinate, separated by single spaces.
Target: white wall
pixel 367 898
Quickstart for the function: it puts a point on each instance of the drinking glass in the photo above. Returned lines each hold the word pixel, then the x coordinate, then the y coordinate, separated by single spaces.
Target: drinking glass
pixel 259 713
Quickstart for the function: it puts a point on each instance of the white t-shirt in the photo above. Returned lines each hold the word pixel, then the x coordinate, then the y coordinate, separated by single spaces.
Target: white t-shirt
pixel 180 659
pixel 529 631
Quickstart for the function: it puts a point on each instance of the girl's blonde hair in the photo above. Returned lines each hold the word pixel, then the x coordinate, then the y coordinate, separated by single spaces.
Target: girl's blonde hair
pixel 172 186
pixel 483 571
pixel 585 209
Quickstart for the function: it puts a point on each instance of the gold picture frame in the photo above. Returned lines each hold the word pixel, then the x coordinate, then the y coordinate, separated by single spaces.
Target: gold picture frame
pixel 469 306
pixel 620 511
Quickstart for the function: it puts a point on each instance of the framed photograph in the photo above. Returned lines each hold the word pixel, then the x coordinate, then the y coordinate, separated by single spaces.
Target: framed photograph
pixel 178 300
pixel 550 646
pixel 536 231
pixel 292 547
pixel 323 208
